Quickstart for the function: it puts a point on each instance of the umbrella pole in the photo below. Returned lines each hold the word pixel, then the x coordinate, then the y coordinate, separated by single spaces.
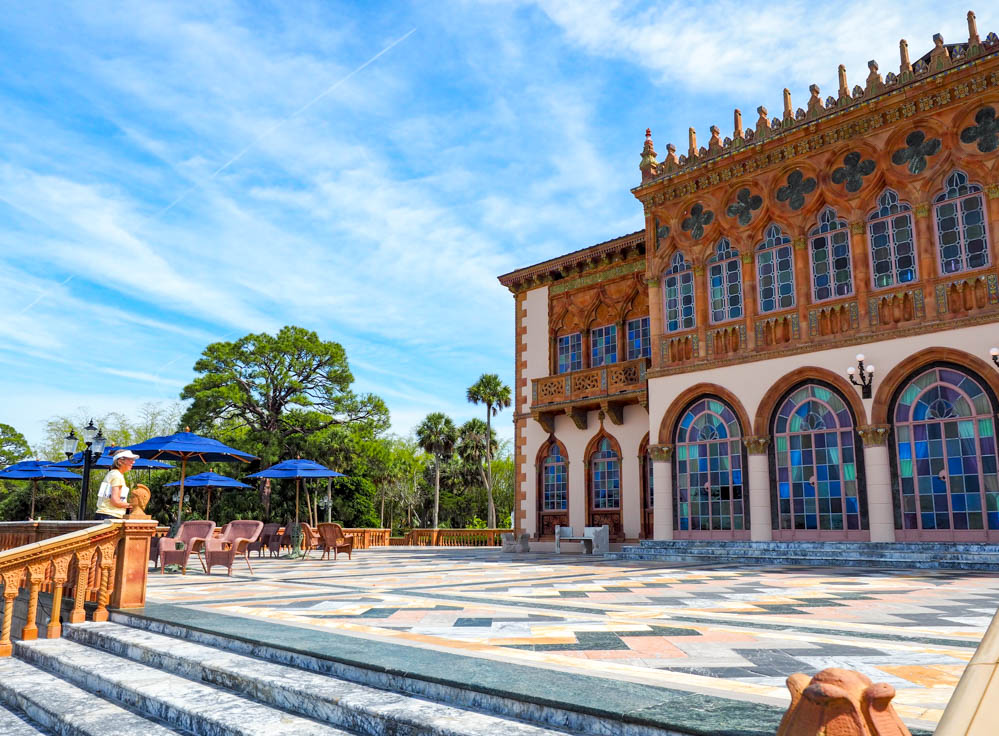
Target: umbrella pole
pixel 180 502
pixel 297 481
pixel 208 504
pixel 34 489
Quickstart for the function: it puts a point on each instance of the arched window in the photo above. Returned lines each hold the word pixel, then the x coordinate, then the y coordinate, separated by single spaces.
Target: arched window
pixel 606 469
pixel 945 444
pixel 775 269
pixel 961 225
pixel 893 250
pixel 725 282
pixel 815 454
pixel 832 274
pixel 709 493
pixel 679 286
pixel 570 352
pixel 556 481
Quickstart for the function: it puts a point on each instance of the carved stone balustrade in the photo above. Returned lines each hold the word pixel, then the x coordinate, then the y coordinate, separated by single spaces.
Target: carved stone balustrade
pixel 608 387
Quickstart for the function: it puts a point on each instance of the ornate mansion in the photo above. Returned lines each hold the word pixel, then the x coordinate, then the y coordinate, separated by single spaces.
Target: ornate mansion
pixel 797 345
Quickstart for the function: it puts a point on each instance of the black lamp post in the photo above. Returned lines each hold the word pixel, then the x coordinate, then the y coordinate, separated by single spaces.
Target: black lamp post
pixel 866 373
pixel 94 442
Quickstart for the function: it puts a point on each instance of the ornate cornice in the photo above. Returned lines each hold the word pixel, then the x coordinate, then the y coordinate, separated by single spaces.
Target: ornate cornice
pixel 874 435
pixel 580 261
pixel 756 445
pixel 661 453
pixel 595 278
pixel 776 151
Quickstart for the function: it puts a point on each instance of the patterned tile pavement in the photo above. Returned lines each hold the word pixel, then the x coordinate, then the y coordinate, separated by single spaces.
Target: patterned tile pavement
pixel 724 632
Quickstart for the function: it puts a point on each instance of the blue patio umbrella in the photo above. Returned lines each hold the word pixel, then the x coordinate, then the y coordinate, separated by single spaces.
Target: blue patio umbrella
pixel 104 461
pixel 36 470
pixel 209 481
pixel 297 469
pixel 186 446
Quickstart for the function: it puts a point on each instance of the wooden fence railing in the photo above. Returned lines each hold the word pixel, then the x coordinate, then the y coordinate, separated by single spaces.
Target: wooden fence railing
pixel 104 563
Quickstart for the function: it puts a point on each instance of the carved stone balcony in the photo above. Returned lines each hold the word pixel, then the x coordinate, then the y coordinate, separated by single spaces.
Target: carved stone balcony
pixel 609 388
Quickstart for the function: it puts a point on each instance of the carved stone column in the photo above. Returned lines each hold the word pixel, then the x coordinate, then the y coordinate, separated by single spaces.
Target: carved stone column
pixel 992 205
pixel 662 484
pixel 860 261
pixel 802 280
pixel 758 475
pixel 926 245
pixel 655 320
pixel 750 308
pixel 877 470
pixel 701 310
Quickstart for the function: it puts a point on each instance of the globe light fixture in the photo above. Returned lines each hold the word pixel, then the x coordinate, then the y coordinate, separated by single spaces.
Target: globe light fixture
pixel 94 443
pixel 866 374
pixel 994 352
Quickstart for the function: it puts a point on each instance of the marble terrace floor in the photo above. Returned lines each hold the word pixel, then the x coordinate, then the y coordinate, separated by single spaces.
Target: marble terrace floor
pixel 726 632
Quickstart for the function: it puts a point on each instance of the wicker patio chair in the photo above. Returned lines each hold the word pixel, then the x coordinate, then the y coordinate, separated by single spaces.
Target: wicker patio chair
pixel 192 534
pixel 334 539
pixel 264 540
pixel 235 541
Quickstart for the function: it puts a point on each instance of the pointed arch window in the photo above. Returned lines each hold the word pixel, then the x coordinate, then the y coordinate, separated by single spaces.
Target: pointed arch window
pixel 725 282
pixel 775 270
pixel 603 345
pixel 606 469
pixel 639 341
pixel 570 352
pixel 893 248
pixel 556 481
pixel 832 273
pixel 962 237
pixel 679 288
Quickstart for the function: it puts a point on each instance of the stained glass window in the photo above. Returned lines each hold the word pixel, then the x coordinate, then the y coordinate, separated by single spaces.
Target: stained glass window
pixel 961 225
pixel 556 481
pixel 710 491
pixel 775 267
pixel 832 274
pixel 815 457
pixel 639 342
pixel 946 452
pixel 570 353
pixel 679 285
pixel 893 251
pixel 725 282
pixel 603 345
pixel 606 469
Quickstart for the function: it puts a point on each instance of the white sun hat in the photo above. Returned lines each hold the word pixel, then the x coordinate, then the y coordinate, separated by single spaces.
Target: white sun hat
pixel 124 455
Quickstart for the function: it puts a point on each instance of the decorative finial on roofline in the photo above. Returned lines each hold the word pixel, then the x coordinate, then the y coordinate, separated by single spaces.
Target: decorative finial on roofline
pixel 844 89
pixel 905 66
pixel 973 39
pixel 737 124
pixel 691 144
pixel 788 112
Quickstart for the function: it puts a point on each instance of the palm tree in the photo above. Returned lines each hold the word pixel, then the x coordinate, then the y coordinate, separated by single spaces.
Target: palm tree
pixel 472 445
pixel 495 394
pixel 437 435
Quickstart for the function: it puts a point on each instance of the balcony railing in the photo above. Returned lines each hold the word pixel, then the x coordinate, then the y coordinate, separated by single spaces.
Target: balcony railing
pixel 590 383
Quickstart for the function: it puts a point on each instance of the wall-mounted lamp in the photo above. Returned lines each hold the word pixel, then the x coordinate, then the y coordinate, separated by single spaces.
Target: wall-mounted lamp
pixel 994 352
pixel 866 373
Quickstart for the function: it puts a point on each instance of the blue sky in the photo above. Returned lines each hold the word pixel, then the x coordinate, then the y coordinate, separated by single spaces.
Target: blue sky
pixel 375 206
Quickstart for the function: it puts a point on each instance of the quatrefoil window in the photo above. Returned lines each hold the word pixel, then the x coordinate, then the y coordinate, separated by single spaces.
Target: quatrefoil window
pixel 916 151
pixel 796 189
pixel 699 218
pixel 985 130
pixel 662 232
pixel 853 171
pixel 744 205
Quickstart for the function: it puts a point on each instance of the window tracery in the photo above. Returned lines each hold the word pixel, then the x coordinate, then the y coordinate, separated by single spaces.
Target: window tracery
pixel 893 250
pixel 832 272
pixel 725 282
pixel 961 225
pixel 775 271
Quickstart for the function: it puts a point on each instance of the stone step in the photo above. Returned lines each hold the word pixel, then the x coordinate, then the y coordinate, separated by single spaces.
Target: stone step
pixel 812 560
pixel 16 723
pixel 792 552
pixel 349 705
pixel 184 704
pixel 929 548
pixel 62 708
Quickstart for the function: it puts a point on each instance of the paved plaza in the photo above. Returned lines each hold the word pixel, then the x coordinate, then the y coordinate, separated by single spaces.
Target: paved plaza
pixel 731 633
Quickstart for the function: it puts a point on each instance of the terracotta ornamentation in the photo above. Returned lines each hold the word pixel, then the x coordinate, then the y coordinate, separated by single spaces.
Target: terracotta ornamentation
pixel 139 498
pixel 698 219
pixel 756 445
pixel 874 435
pixel 916 151
pixel 985 130
pixel 796 189
pixel 661 453
pixel 744 206
pixel 853 171
pixel 840 702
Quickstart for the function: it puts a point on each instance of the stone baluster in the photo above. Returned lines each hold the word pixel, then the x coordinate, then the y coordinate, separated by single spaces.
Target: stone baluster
pixel 36 575
pixel 877 470
pixel 104 587
pixel 662 482
pixel 83 559
pixel 11 583
pixel 758 475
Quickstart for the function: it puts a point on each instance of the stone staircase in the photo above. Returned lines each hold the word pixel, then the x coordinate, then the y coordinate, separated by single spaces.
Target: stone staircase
pixel 114 679
pixel 905 555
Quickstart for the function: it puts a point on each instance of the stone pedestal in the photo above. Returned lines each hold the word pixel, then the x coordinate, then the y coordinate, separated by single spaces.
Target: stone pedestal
pixel 662 482
pixel 758 478
pixel 877 469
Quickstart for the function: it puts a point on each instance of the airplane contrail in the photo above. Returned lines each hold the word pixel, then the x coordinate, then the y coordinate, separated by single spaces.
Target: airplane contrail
pixel 281 122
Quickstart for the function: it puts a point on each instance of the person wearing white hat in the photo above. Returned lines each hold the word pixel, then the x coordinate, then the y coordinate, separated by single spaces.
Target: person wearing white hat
pixel 112 498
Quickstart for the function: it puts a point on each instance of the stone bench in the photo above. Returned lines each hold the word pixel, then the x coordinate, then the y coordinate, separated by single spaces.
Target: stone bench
pixel 513 543
pixel 595 539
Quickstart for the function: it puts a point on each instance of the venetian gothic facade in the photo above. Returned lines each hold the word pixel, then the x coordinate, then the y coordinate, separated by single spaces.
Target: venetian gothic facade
pixel 690 380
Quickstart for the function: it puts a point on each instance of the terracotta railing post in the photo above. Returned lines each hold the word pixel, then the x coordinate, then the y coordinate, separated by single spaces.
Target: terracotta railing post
pixel 11 581
pixel 132 565
pixel 83 559
pixel 60 573
pixel 104 580
pixel 36 575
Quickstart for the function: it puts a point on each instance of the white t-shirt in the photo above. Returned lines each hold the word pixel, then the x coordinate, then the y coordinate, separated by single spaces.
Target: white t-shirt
pixel 113 478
